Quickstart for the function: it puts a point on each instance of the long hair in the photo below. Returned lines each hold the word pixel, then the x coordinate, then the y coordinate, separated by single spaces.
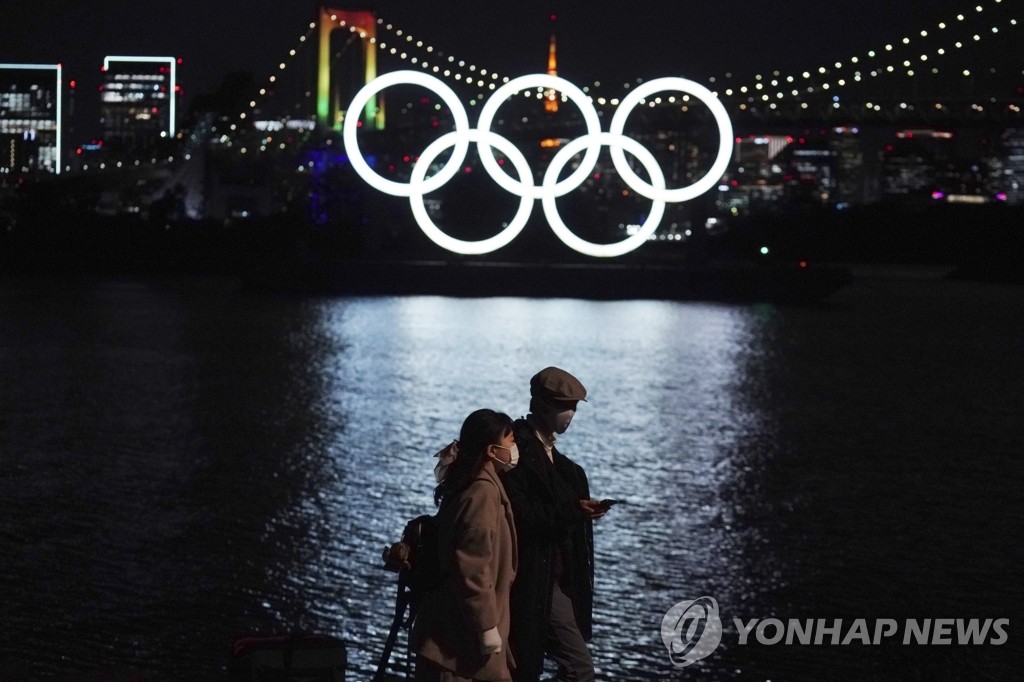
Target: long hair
pixel 481 428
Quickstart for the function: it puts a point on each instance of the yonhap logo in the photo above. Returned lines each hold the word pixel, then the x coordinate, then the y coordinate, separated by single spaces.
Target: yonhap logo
pixel 691 631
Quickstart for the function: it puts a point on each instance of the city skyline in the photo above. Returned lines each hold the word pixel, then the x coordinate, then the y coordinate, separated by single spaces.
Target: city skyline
pixel 909 75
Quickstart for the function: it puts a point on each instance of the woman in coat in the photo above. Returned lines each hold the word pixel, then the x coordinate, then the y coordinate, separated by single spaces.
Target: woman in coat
pixel 461 628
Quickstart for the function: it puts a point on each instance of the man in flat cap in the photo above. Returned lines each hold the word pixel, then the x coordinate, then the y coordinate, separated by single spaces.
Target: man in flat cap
pixel 552 596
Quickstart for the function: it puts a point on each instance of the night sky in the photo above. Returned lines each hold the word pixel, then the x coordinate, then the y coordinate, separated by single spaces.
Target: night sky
pixel 598 40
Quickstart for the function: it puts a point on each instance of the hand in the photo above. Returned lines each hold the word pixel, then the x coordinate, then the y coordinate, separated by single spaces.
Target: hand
pixel 490 642
pixel 593 509
pixel 396 557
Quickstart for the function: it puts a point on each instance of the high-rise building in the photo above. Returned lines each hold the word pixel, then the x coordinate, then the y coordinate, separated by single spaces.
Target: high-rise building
pixel 916 164
pixel 138 103
pixel 768 170
pixel 755 177
pixel 30 118
pixel 851 180
pixel 1012 181
pixel 811 175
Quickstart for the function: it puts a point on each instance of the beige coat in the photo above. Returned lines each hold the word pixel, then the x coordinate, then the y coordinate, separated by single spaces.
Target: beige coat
pixel 477 535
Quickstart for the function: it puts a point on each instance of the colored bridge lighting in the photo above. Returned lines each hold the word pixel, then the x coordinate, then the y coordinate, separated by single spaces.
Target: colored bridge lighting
pixel 938 195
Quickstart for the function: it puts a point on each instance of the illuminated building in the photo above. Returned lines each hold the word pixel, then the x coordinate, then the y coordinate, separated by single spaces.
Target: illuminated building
pixel 916 164
pixel 811 173
pixel 768 169
pixel 755 178
pixel 138 103
pixel 851 178
pixel 1013 166
pixel 30 118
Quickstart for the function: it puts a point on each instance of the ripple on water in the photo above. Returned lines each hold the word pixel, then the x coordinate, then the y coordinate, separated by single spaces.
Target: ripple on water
pixel 179 469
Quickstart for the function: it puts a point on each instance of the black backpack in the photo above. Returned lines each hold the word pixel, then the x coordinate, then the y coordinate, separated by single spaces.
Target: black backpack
pixel 423 572
pixel 416 558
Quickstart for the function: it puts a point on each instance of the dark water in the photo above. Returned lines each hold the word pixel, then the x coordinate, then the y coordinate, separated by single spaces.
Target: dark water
pixel 182 463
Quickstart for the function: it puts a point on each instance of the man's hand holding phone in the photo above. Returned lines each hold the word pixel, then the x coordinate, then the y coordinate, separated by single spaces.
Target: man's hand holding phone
pixel 595 509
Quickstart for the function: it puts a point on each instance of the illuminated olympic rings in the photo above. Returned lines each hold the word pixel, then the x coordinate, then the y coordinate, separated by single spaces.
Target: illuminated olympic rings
pixel 524 187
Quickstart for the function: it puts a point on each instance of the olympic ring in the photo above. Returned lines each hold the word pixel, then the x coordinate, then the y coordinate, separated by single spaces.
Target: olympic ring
pixel 525 188
pixel 540 80
pixel 351 127
pixel 419 210
pixel 617 143
pixel 724 145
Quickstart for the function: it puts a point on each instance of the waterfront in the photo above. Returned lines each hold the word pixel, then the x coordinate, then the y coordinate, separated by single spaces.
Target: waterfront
pixel 183 462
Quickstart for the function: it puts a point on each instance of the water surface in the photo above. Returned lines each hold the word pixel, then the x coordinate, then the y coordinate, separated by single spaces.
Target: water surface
pixel 182 463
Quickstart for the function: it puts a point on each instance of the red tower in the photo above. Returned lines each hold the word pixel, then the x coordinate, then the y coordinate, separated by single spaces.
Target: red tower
pixel 551 96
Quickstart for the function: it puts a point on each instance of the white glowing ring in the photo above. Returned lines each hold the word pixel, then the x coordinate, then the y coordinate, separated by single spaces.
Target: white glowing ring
pixel 351 128
pixel 616 143
pixel 548 82
pixel 725 142
pixel 418 187
pixel 550 189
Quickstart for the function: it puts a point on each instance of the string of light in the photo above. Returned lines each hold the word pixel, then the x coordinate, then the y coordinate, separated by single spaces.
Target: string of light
pixel 265 91
pixel 765 91
pixel 830 78
pixel 906 59
pixel 903 57
pixel 401 44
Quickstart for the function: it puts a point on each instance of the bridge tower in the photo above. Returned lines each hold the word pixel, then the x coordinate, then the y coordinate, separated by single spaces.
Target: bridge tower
pixel 365 23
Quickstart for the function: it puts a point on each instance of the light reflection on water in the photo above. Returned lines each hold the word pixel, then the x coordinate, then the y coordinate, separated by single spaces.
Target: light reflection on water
pixel 655 431
pixel 183 463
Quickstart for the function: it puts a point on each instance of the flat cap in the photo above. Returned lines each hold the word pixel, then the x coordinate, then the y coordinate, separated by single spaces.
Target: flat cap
pixel 553 383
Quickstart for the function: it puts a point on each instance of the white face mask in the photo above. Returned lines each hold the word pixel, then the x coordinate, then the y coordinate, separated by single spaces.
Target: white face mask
pixel 560 420
pixel 513 458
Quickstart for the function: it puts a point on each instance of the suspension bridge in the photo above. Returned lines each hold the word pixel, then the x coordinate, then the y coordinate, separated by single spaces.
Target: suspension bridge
pixel 933 75
pixel 933 69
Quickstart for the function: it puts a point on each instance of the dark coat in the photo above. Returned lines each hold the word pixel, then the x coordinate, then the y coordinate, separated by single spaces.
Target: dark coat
pixel 548 518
